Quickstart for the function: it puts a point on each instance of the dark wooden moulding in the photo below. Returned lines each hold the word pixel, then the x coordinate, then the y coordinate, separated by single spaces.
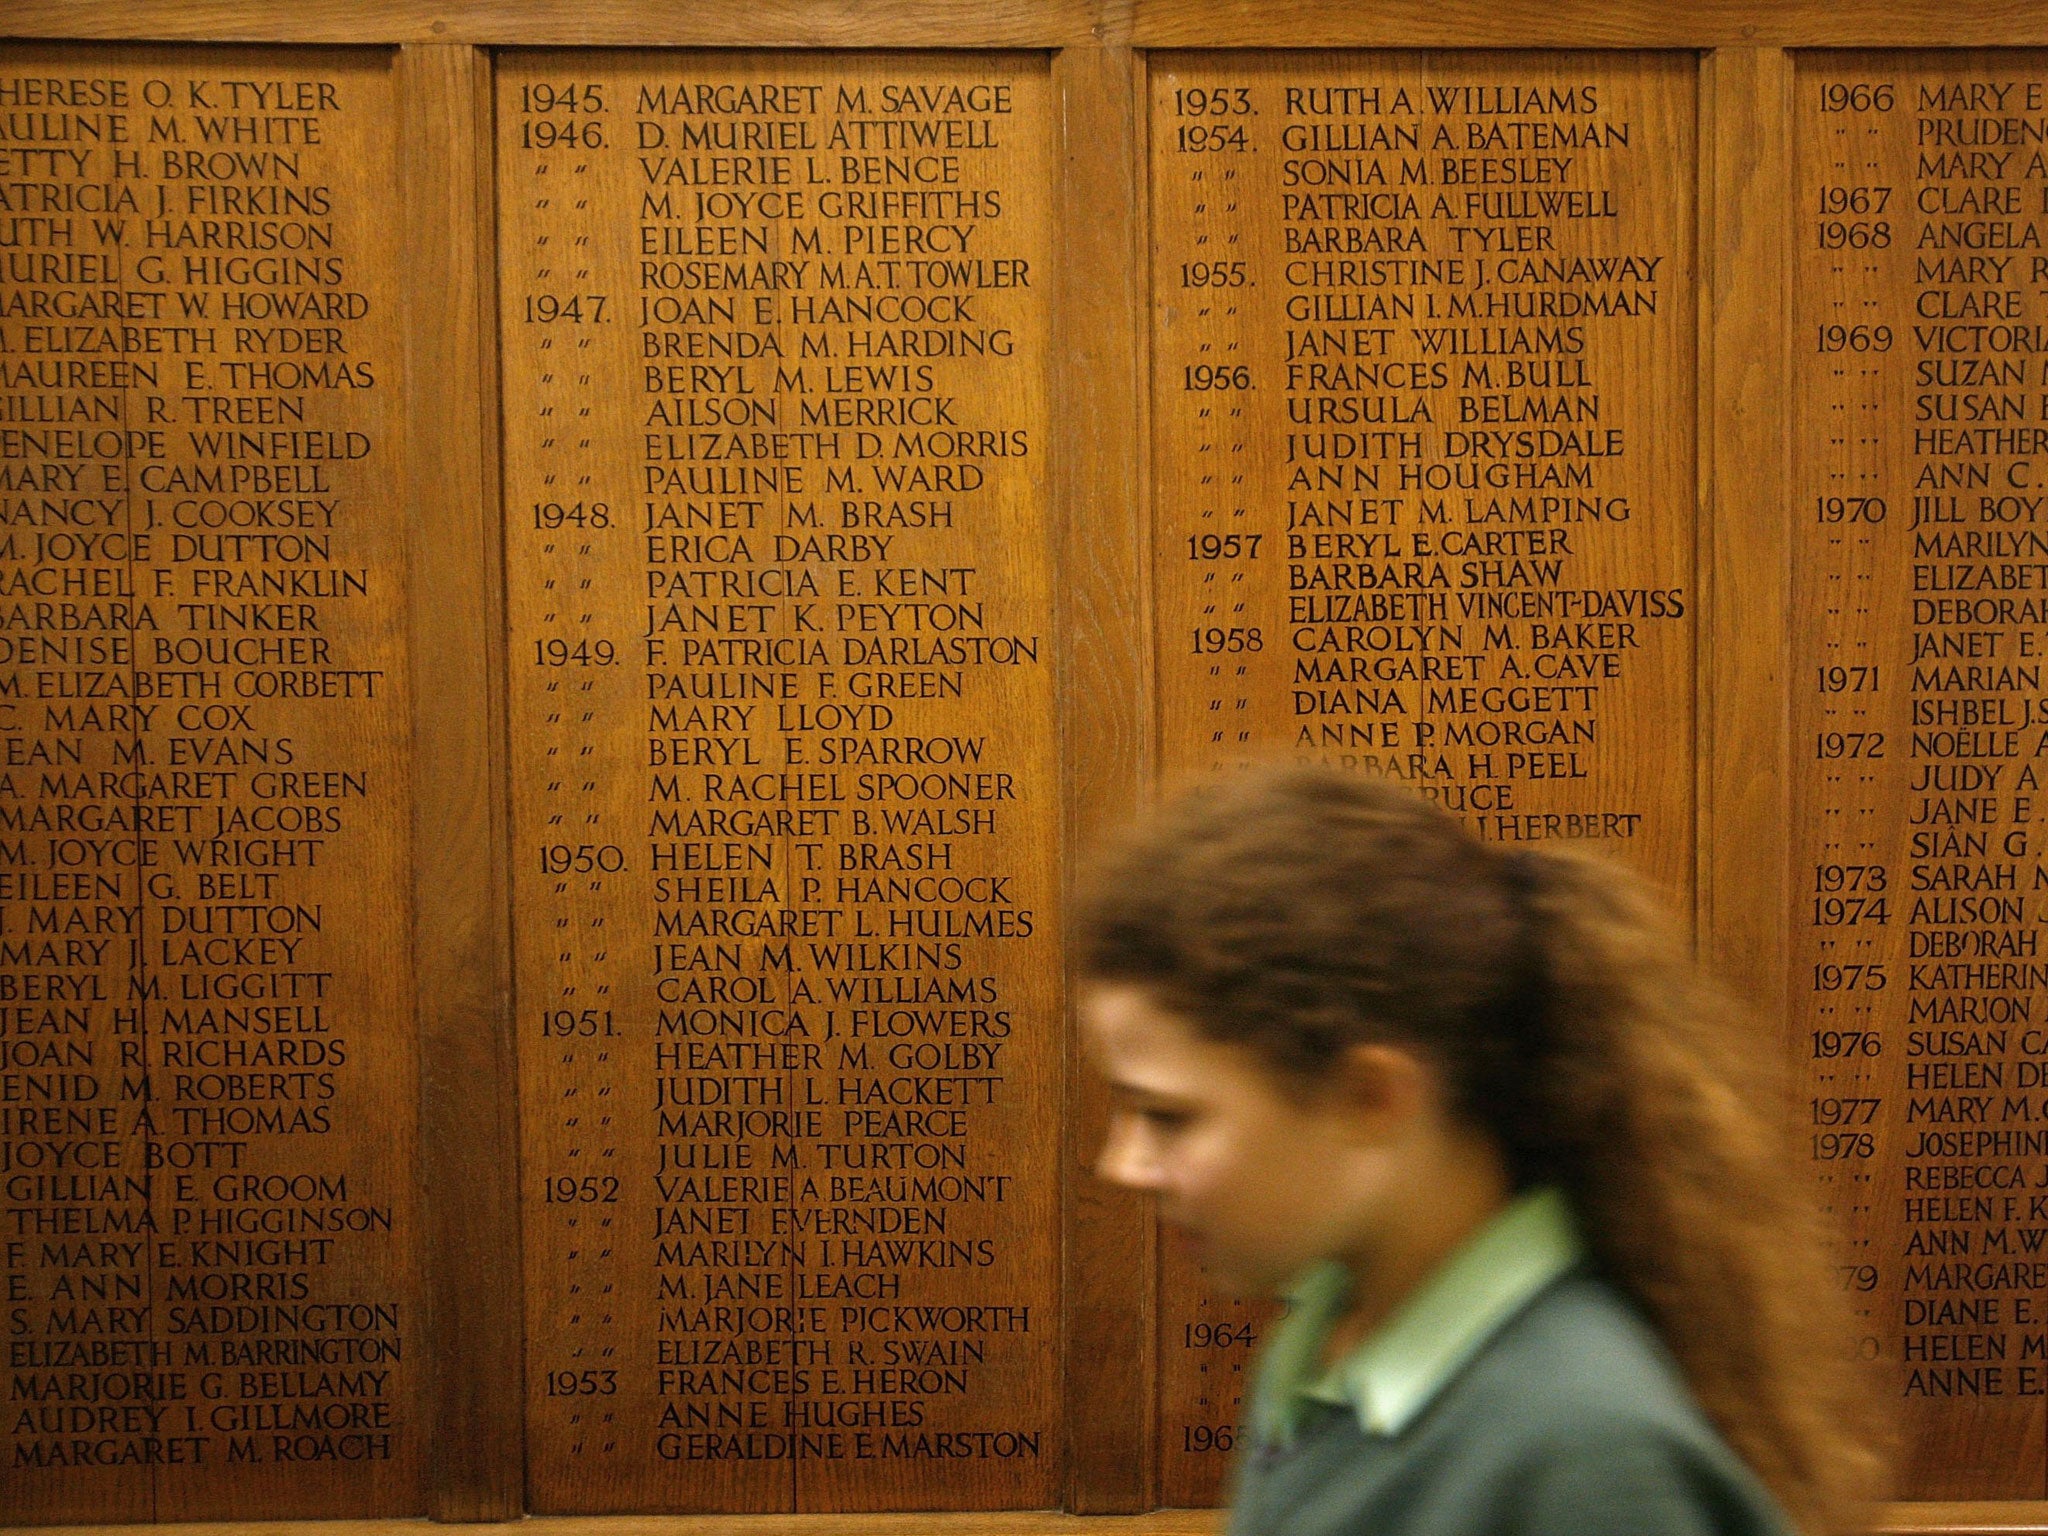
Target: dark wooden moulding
pixel 1745 776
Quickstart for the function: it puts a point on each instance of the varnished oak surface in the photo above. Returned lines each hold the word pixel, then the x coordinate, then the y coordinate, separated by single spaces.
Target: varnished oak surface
pixel 1744 561
pixel 1872 611
pixel 726 1133
pixel 1020 23
pixel 1165 1522
pixel 1105 729
pixel 1023 24
pixel 1339 579
pixel 1098 507
pixel 468 1097
pixel 1985 1519
pixel 310 1138
pixel 1580 24
pixel 570 23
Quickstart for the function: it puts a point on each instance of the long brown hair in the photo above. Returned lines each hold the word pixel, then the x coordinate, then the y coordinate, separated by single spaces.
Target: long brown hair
pixel 1297 911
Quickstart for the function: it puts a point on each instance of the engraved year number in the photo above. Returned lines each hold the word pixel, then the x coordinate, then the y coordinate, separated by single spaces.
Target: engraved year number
pixel 582 1383
pixel 580 653
pixel 546 96
pixel 581 858
pixel 575 308
pixel 1855 338
pixel 576 1023
pixel 1845 1111
pixel 1215 101
pixel 1848 680
pixel 1838 96
pixel 551 515
pixel 1831 745
pixel 1210 138
pixel 1214 640
pixel 1856 200
pixel 1829 977
pixel 591 1189
pixel 546 133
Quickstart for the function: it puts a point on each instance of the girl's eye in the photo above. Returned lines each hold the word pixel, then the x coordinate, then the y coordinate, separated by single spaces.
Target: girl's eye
pixel 1165 1120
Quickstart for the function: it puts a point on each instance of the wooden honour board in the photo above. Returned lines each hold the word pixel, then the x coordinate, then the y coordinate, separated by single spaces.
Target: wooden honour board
pixel 1920 316
pixel 1355 528
pixel 213 1305
pixel 785 797
pixel 1417 321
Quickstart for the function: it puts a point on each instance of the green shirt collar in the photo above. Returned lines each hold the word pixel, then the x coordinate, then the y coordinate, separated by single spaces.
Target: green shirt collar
pixel 1397 1371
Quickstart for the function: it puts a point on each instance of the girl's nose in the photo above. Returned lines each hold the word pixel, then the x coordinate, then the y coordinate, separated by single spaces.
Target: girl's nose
pixel 1124 1159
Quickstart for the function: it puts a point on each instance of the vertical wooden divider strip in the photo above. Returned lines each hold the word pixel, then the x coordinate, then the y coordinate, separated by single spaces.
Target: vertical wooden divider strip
pixel 1106 725
pixel 1745 573
pixel 468 1086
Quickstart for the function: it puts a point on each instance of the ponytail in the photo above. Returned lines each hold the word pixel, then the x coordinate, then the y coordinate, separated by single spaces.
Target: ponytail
pixel 1670 1144
pixel 1298 912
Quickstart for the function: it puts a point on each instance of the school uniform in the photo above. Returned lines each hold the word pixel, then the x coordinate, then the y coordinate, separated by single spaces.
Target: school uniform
pixel 1513 1394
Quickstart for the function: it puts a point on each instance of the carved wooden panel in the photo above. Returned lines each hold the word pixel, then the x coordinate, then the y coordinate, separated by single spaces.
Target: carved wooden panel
pixel 1422 468
pixel 786 812
pixel 1921 523
pixel 206 1135
pixel 788 773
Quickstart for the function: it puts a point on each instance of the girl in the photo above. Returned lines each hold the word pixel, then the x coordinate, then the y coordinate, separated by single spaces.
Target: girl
pixel 1551 1271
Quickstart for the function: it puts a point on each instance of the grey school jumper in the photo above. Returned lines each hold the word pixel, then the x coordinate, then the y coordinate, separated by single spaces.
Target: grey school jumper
pixel 1568 1420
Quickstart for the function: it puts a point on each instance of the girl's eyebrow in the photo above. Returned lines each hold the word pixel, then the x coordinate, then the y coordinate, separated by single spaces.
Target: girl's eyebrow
pixel 1123 1088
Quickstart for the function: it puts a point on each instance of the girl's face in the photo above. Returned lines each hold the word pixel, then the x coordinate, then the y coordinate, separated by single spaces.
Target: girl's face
pixel 1261 1184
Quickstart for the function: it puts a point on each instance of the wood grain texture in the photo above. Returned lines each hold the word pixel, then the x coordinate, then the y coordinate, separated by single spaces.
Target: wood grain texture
pixel 568 23
pixel 1745 415
pixel 1929 1519
pixel 1168 1522
pixel 1107 746
pixel 266 1026
pixel 1979 1519
pixel 1745 549
pixel 97 1031
pixel 1582 24
pixel 468 1084
pixel 779 527
pixel 1058 23
pixel 1918 559
pixel 1423 473
pixel 333 701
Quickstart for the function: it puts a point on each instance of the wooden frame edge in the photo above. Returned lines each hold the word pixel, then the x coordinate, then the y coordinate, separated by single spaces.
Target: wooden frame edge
pixel 1583 24
pixel 564 23
pixel 1109 1249
pixel 1985 1519
pixel 452 501
pixel 1149 24
pixel 1745 557
pixel 1168 1522
pixel 2010 1518
pixel 468 1076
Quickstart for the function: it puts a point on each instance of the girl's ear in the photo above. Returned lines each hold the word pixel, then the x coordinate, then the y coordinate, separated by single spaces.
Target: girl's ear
pixel 1382 1090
